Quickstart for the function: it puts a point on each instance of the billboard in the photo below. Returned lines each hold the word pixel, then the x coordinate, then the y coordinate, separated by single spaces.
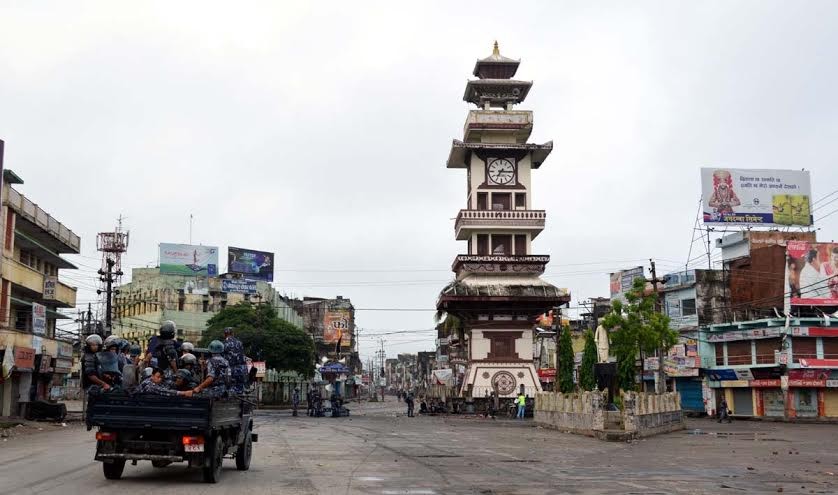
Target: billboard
pixel 39 319
pixel 186 259
pixel 622 281
pixel 773 198
pixel 256 265
pixel 812 273
pixel 337 326
pixel 238 286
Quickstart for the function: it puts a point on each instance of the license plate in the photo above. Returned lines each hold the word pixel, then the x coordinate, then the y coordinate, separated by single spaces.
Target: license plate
pixel 194 448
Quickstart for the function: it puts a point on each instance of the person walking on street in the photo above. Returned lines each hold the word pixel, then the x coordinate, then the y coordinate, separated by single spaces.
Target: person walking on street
pixel 295 400
pixel 408 398
pixel 521 402
pixel 724 413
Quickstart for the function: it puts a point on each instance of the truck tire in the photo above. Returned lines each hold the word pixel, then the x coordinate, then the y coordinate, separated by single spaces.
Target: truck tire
pixel 212 473
pixel 244 453
pixel 113 470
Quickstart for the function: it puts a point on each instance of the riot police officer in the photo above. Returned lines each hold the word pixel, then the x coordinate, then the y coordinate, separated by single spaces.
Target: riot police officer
pixel 218 372
pixel 166 353
pixel 109 371
pixel 131 370
pixel 155 384
pixel 184 380
pixel 90 363
pixel 234 354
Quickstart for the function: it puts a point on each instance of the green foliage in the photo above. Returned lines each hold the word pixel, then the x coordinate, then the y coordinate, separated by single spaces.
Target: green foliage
pixel 637 330
pixel 565 371
pixel 587 380
pixel 265 337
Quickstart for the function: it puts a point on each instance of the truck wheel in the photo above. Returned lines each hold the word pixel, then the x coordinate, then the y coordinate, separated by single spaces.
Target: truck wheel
pixel 212 473
pixel 113 470
pixel 244 453
pixel 160 464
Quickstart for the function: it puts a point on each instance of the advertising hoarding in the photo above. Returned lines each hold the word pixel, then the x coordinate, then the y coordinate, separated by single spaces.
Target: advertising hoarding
pixel 772 198
pixel 337 326
pixel 186 259
pixel 623 280
pixel 238 286
pixel 256 265
pixel 812 273
pixel 39 319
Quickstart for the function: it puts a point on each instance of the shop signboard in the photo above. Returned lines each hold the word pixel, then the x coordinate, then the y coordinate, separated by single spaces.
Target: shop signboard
pixel 744 374
pixel 187 259
pixel 256 265
pixel 720 375
pixel 238 286
pixel 652 364
pixel 24 358
pixel 49 287
pixel 65 349
pixel 769 198
pixel 39 319
pixel 812 273
pixel 766 383
pixel 63 366
pixel 46 361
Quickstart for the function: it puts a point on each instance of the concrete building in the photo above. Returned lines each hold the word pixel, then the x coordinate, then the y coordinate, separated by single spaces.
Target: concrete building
pixel 497 291
pixel 151 298
pixel 30 297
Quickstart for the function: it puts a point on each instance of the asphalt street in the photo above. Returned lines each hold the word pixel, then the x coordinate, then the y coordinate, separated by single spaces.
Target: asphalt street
pixel 378 450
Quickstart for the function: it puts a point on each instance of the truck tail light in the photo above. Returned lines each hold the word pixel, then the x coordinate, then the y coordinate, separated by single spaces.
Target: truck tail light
pixel 193 440
pixel 106 436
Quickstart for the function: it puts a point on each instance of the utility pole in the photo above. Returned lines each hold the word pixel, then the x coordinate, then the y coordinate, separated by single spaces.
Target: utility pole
pixel 661 385
pixel 557 327
pixel 106 276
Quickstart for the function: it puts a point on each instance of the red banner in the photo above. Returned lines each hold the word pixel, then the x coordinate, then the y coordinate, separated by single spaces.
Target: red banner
pixel 24 357
pixel 769 383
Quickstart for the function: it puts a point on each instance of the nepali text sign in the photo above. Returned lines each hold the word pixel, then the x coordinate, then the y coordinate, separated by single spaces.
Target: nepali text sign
pixel 337 327
pixel 238 286
pixel 49 288
pixel 39 319
pixel 24 358
pixel 257 265
pixel 812 273
pixel 186 259
pixel 770 198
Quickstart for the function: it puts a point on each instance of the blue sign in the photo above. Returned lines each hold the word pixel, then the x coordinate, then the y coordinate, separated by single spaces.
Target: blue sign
pixel 258 265
pixel 721 375
pixel 239 286
pixel 334 368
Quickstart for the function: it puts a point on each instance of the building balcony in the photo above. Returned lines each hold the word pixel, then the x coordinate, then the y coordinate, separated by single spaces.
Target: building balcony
pixel 36 223
pixel 33 281
pixel 483 123
pixel 468 221
pixel 500 264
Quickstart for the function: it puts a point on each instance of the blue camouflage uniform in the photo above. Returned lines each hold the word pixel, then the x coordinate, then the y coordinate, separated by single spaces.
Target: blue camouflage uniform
pixel 219 370
pixel 149 387
pixel 234 354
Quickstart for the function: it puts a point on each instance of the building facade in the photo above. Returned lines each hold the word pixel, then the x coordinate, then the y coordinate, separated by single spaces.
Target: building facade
pixel 497 291
pixel 30 297
pixel 152 298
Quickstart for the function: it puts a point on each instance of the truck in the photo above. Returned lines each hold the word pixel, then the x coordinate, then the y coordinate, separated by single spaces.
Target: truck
pixel 201 431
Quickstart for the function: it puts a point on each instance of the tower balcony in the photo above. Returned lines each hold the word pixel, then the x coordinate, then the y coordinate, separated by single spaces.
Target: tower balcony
pixel 500 264
pixel 469 221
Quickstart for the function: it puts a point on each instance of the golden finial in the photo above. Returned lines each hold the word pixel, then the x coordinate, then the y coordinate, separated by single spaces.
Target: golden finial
pixel 496 50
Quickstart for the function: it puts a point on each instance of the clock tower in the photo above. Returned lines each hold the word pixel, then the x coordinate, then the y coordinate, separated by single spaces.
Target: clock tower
pixel 497 291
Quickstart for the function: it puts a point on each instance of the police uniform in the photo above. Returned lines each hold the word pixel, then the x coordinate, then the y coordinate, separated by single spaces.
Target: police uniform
pixel 166 355
pixel 219 369
pixel 149 387
pixel 234 354
pixel 89 366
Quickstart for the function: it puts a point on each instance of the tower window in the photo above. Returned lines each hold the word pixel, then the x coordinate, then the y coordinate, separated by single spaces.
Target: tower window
pixel 520 244
pixel 482 244
pixel 482 201
pixel 521 200
pixel 501 244
pixel 501 201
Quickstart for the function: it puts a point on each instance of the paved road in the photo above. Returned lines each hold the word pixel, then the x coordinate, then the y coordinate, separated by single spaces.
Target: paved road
pixel 377 451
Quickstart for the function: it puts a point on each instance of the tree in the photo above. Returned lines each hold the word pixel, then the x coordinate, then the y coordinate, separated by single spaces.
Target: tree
pixel 265 337
pixel 587 380
pixel 565 364
pixel 638 331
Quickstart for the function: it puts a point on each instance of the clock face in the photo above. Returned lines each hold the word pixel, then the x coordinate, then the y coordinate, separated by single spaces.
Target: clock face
pixel 501 171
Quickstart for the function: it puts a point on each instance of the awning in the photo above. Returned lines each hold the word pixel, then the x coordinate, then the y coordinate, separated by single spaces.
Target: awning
pixel 51 313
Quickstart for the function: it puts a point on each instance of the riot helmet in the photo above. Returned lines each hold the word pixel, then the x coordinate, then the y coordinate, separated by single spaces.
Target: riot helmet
pixel 93 340
pixel 168 329
pixel 187 347
pixel 135 350
pixel 216 347
pixel 188 359
pixel 184 374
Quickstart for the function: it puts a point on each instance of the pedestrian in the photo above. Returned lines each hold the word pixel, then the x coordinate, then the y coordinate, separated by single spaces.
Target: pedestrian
pixel 234 354
pixel 409 400
pixel 309 401
pixel 521 401
pixel 295 400
pixel 724 412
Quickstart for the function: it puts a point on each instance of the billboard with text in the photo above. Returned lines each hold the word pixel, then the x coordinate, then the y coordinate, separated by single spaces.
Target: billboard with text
pixel 255 265
pixel 812 273
pixel 186 259
pixel 337 327
pixel 772 198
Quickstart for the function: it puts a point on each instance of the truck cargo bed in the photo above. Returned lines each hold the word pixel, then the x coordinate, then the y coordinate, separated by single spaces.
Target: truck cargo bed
pixel 124 411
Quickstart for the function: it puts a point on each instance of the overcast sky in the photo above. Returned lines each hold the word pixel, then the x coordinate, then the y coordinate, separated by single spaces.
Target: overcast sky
pixel 320 130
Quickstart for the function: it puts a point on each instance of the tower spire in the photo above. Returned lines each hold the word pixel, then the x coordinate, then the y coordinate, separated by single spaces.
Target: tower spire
pixel 496 50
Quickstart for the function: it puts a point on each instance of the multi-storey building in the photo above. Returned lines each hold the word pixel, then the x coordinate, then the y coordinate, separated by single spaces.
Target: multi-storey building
pixel 497 291
pixel 30 297
pixel 152 298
